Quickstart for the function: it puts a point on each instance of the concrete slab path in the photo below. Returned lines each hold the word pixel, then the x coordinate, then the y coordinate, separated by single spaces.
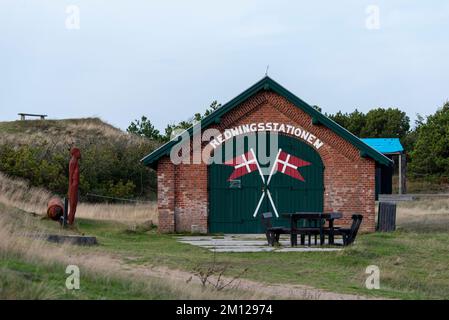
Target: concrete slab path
pixel 249 243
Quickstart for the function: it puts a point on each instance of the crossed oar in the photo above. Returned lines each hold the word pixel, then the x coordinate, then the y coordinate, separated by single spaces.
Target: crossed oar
pixel 267 184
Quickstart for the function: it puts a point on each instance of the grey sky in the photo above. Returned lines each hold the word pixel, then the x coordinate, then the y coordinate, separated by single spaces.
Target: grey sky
pixel 170 59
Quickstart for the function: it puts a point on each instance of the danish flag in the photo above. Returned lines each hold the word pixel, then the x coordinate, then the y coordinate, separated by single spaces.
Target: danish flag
pixel 243 164
pixel 284 163
pixel 288 164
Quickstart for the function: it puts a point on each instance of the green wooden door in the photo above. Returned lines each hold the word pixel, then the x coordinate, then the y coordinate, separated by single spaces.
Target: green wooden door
pixel 232 204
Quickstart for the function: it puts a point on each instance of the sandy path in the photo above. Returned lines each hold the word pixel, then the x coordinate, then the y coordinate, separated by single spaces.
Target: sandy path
pixel 281 291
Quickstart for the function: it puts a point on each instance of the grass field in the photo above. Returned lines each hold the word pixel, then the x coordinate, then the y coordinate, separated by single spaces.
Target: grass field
pixel 413 263
pixel 31 268
pixel 413 260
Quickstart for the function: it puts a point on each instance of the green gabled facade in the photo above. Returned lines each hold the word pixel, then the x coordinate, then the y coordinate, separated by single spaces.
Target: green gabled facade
pixel 269 84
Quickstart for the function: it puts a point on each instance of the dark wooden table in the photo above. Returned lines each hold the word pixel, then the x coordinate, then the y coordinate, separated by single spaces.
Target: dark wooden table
pixel 311 216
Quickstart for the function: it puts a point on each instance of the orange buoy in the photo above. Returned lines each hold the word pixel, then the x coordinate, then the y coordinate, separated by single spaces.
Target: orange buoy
pixel 55 208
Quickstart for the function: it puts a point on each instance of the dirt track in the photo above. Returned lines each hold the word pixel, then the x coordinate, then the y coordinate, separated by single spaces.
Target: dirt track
pixel 282 291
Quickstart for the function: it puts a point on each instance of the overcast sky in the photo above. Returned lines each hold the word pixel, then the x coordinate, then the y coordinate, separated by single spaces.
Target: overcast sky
pixel 170 59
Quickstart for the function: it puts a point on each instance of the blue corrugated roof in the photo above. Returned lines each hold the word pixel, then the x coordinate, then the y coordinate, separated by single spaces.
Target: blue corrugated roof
pixel 384 145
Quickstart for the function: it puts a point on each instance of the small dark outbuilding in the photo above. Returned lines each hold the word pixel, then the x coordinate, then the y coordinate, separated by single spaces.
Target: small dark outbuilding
pixel 391 148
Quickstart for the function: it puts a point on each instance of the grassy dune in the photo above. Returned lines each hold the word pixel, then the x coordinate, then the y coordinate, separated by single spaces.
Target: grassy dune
pixel 58 132
pixel 38 151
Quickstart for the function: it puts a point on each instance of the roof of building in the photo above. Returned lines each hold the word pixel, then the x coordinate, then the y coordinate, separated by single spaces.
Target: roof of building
pixel 384 145
pixel 264 85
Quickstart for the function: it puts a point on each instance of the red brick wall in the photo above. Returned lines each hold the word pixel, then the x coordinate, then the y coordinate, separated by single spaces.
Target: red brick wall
pixel 191 198
pixel 166 195
pixel 348 178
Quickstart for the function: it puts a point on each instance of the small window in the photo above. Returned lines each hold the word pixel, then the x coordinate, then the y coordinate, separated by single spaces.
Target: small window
pixel 235 184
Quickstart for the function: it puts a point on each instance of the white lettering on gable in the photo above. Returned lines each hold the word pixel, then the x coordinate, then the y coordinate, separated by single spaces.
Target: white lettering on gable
pixel 268 126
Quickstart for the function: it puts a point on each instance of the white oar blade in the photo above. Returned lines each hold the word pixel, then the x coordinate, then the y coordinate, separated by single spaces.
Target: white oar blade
pixel 272 204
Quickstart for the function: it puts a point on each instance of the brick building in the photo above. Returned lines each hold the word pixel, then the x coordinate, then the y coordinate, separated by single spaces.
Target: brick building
pixel 316 165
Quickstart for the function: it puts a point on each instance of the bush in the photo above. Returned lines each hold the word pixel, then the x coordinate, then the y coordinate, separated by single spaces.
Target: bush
pixel 431 153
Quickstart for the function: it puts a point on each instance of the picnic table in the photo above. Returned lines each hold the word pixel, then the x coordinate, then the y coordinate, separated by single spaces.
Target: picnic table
pixel 316 217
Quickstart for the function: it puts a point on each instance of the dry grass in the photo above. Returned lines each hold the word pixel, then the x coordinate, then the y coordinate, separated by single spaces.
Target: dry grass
pixel 127 213
pixel 424 215
pixel 19 194
pixel 22 241
pixel 423 185
pixel 16 245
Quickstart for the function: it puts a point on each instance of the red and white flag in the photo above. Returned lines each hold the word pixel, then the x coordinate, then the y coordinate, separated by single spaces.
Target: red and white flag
pixel 288 164
pixel 243 164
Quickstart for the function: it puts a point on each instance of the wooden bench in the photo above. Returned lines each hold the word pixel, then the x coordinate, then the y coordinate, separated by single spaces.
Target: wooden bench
pixel 272 233
pixel 24 115
pixel 348 234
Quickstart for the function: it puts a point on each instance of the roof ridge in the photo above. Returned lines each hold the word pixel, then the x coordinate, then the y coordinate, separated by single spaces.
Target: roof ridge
pixel 267 83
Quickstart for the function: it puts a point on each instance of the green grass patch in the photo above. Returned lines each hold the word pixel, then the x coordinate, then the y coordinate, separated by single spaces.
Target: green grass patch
pixel 410 262
pixel 30 279
pixel 20 279
pixel 413 261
